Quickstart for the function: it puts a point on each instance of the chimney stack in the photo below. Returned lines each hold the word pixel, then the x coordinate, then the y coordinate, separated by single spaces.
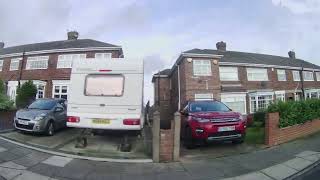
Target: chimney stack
pixel 73 35
pixel 292 54
pixel 1 45
pixel 221 46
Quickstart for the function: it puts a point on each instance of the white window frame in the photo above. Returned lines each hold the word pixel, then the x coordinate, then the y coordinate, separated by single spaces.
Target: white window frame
pixel 16 62
pixel 228 73
pixel 43 59
pixel 66 60
pixel 235 97
pixel 60 83
pixel 253 72
pixel 202 67
pixel 281 74
pixel 305 75
pixel 296 75
pixel 256 100
pixel 280 95
pixel 310 91
pixel 104 55
pixel 12 90
pixel 318 76
pixel 203 96
pixel 1 64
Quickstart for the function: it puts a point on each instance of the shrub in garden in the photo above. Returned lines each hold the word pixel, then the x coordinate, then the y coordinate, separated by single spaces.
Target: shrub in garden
pixel 26 94
pixel 296 112
pixel 5 102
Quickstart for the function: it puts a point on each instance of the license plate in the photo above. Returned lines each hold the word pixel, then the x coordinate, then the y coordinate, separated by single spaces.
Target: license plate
pixel 23 122
pixel 101 121
pixel 226 128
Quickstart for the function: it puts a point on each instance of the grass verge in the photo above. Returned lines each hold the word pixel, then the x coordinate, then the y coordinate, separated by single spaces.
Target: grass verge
pixel 255 135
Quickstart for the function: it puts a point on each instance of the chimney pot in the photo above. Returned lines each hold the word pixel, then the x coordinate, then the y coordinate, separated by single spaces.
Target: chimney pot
pixel 221 46
pixel 1 45
pixel 73 35
pixel 292 54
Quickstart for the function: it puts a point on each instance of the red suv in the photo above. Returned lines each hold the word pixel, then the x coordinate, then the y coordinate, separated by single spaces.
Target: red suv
pixel 204 121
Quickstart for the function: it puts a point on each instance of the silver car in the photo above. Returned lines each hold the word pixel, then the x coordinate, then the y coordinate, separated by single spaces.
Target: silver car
pixel 42 116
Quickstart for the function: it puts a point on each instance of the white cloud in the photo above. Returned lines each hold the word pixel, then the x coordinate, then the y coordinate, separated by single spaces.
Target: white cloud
pixel 299 6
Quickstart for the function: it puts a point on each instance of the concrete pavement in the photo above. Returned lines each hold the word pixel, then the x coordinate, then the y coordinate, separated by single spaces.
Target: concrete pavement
pixel 17 162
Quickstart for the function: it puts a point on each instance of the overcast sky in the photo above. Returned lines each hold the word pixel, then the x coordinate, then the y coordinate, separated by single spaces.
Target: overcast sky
pixel 158 31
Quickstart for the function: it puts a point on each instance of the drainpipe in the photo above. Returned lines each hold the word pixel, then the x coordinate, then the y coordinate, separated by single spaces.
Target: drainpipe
pixel 179 93
pixel 302 84
pixel 21 68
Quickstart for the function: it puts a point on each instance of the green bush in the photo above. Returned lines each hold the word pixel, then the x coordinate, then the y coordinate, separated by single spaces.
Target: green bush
pixel 296 112
pixel 259 118
pixel 26 94
pixel 5 102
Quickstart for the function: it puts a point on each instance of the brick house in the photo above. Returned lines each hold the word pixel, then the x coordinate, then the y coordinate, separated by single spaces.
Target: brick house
pixel 49 64
pixel 246 82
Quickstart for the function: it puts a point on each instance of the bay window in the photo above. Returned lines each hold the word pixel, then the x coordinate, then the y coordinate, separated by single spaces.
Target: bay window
pixel 257 74
pixel 201 67
pixel 60 88
pixel 318 76
pixel 236 102
pixel 280 95
pixel 260 101
pixel 228 73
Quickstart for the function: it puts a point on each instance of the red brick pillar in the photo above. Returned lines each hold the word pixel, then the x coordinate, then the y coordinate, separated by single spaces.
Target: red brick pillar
pixel 166 145
pixel 272 129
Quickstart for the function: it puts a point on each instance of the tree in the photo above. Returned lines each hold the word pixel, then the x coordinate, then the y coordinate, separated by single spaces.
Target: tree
pixel 26 94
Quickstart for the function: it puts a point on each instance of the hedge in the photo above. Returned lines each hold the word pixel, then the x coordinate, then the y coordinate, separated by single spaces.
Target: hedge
pixel 5 102
pixel 26 94
pixel 296 112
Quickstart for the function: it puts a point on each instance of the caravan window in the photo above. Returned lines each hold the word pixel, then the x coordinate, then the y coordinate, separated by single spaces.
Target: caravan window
pixel 104 85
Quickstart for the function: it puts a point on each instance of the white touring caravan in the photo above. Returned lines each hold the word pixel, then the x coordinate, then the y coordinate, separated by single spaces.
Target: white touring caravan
pixel 106 94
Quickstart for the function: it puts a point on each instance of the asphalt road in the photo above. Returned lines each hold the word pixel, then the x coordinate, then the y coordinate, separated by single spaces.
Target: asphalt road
pixel 313 174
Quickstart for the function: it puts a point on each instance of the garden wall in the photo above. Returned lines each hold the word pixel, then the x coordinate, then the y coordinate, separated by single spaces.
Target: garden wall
pixel 275 135
pixel 6 119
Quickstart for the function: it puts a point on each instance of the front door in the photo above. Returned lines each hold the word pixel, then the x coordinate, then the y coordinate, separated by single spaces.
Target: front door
pixel 12 90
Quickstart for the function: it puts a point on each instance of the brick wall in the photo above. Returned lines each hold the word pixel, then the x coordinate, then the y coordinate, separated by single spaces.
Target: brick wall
pixel 275 135
pixel 166 145
pixel 49 74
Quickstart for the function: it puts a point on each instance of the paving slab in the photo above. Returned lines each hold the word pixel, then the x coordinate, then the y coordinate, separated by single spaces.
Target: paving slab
pixel 306 153
pixel 253 176
pixel 298 163
pixel 2 149
pixel 102 176
pixel 27 175
pixel 57 161
pixel 279 171
pixel 7 156
pixel 45 169
pixel 12 165
pixel 8 173
pixel 313 158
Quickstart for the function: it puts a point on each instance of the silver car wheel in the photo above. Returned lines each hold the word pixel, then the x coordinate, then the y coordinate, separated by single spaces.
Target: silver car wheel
pixel 51 129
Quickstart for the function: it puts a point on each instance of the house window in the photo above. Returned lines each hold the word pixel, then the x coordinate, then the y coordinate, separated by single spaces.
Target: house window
pixel 103 55
pixel 201 67
pixel 1 65
pixel 257 74
pixel 312 94
pixel 14 64
pixel 308 76
pixel 60 89
pixel 237 102
pixel 39 62
pixel 66 60
pixel 318 76
pixel 260 101
pixel 280 95
pixel 228 73
pixel 281 75
pixel 296 75
pixel 203 97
